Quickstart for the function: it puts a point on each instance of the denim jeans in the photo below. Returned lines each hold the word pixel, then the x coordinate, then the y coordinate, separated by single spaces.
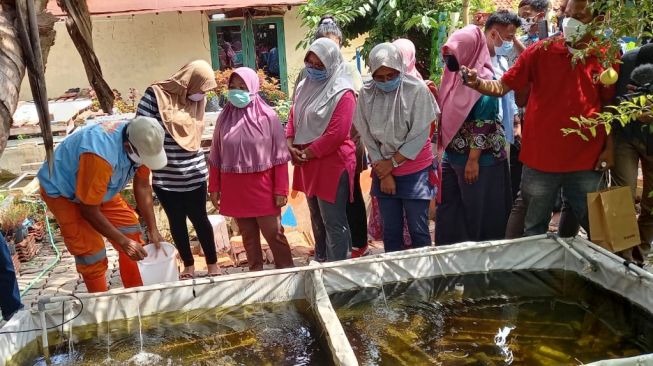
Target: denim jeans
pixel 567 226
pixel 9 293
pixel 628 153
pixel 330 226
pixel 417 217
pixel 540 190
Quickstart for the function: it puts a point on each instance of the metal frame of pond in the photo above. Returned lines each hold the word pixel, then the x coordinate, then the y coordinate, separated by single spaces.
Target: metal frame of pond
pixel 316 282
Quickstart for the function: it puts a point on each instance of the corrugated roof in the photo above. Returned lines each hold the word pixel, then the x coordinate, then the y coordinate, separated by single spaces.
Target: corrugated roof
pixel 121 7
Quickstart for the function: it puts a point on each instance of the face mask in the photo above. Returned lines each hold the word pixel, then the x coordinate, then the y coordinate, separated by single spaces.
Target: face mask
pixel 196 97
pixel 390 85
pixel 573 30
pixel 135 158
pixel 239 98
pixel 316 74
pixel 527 24
pixel 452 63
pixel 504 49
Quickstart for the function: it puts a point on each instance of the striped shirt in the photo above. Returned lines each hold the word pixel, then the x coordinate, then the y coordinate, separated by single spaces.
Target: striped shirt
pixel 186 170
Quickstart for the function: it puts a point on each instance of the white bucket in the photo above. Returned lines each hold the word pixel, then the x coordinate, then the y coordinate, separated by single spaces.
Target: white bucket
pixel 158 267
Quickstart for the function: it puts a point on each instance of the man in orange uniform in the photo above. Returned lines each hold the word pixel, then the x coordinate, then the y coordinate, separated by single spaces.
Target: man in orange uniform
pixel 91 167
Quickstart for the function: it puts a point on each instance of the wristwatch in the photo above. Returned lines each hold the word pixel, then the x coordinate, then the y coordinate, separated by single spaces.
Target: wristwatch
pixel 394 162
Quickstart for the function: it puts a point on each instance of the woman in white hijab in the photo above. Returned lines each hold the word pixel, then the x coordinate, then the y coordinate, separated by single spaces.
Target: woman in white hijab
pixel 394 115
pixel 321 147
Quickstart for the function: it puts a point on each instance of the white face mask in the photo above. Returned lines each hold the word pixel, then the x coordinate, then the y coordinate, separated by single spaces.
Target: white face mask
pixel 196 97
pixel 133 156
pixel 573 30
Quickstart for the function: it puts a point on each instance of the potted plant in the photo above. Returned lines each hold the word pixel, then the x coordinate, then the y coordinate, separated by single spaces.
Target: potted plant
pixel 270 89
pixel 15 218
pixel 212 102
pixel 283 110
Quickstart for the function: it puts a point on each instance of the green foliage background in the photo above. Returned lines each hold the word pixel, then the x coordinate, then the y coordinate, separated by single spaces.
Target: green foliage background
pixel 421 21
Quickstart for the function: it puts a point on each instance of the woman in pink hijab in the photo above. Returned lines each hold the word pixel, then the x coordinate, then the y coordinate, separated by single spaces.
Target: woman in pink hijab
pixel 248 175
pixel 475 186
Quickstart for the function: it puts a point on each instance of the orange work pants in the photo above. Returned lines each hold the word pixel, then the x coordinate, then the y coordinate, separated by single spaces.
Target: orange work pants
pixel 87 245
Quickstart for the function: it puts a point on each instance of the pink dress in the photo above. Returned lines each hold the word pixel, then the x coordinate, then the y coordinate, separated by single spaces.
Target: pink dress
pixel 244 195
pixel 334 152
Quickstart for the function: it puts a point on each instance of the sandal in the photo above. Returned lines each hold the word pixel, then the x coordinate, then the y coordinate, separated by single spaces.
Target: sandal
pixel 186 276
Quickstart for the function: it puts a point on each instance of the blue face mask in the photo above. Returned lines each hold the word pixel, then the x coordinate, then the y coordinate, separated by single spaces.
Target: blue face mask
pixel 504 49
pixel 390 85
pixel 316 74
pixel 239 98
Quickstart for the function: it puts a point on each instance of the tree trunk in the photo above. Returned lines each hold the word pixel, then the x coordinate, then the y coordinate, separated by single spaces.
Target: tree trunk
pixel 465 12
pixel 12 70
pixel 80 28
pixel 12 65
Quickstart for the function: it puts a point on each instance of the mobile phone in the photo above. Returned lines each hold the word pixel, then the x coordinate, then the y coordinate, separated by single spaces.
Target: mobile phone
pixel 543 29
pixel 464 75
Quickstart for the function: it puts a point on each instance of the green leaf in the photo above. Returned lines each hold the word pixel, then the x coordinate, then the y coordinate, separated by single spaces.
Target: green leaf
pixel 593 131
pixel 425 22
pixel 392 4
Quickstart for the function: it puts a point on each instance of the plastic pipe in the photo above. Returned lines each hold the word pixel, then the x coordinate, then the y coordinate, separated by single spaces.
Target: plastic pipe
pixel 588 265
pixel 636 270
pixel 44 330
pixel 56 250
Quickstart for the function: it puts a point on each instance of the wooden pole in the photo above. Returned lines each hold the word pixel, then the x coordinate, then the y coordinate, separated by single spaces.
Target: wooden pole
pixel 465 12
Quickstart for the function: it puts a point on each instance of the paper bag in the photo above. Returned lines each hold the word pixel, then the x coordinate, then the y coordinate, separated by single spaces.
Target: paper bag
pixel 612 219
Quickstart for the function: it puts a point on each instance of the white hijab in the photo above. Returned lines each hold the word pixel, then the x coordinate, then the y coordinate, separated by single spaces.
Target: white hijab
pixel 399 118
pixel 315 101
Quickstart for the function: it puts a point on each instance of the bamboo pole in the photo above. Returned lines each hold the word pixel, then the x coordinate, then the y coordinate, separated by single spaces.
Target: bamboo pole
pixel 465 12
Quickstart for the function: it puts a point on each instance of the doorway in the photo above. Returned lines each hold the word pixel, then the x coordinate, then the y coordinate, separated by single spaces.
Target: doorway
pixel 258 43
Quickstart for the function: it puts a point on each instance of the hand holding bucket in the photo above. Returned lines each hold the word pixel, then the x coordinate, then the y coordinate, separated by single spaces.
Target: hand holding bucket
pixel 159 268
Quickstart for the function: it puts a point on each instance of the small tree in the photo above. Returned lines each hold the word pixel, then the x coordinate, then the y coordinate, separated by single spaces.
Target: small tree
pixel 425 22
pixel 620 19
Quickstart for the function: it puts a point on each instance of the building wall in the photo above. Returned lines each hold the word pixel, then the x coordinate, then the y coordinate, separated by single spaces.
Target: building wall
pixel 136 50
pixel 133 51
pixel 295 57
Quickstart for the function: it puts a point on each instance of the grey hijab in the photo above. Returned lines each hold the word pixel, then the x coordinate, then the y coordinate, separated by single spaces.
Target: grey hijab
pixel 399 120
pixel 315 101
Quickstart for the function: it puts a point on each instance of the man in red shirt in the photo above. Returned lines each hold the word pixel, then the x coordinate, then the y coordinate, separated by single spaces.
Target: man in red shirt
pixel 560 90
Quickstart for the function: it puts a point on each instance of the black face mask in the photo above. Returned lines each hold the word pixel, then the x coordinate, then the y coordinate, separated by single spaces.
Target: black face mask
pixel 452 63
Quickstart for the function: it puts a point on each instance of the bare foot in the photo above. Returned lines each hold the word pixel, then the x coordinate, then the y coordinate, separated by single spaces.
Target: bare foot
pixel 213 270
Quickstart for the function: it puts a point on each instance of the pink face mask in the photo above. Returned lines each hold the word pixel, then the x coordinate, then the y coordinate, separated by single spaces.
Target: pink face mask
pixel 196 97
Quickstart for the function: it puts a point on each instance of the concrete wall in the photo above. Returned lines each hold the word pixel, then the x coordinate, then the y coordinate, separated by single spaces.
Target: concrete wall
pixel 295 57
pixel 136 50
pixel 133 51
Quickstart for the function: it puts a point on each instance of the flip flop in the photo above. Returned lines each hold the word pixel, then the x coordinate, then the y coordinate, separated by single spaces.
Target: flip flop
pixel 186 276
pixel 214 274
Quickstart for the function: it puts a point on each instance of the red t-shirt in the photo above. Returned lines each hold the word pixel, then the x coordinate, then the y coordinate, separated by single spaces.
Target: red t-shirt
pixel 559 91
